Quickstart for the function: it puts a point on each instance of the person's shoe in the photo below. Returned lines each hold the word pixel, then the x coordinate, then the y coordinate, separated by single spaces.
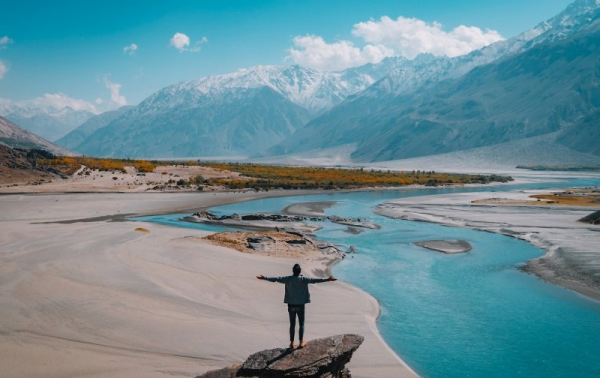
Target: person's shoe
pixel 292 346
pixel 302 344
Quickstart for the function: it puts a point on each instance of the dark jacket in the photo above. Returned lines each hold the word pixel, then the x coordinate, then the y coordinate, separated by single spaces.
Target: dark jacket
pixel 296 288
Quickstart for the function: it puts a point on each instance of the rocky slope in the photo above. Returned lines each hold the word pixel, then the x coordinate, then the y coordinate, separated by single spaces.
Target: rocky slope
pixel 19 166
pixel 14 136
pixel 244 121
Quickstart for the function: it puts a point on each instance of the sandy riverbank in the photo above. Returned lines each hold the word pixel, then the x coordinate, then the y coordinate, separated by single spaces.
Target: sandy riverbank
pixel 573 248
pixel 98 298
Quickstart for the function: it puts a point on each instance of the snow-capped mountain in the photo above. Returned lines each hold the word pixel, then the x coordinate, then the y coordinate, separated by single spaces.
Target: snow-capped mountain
pixel 313 90
pixel 250 110
pixel 46 121
pixel 233 114
pixel 426 69
pixel 538 82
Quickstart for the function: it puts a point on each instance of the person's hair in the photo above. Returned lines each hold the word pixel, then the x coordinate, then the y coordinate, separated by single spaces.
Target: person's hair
pixel 296 269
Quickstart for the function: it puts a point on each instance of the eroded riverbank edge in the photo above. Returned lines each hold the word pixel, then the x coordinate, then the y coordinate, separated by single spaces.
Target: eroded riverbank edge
pixel 570 259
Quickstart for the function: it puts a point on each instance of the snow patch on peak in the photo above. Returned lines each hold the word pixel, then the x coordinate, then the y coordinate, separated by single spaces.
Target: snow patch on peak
pixel 314 90
pixel 409 75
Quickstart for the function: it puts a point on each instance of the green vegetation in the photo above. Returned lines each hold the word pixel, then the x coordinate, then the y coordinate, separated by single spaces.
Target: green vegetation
pixel 265 177
pixel 269 176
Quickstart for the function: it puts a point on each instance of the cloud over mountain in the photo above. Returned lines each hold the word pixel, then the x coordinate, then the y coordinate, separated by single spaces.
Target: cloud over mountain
pixel 115 96
pixel 312 51
pixel 407 37
pixel 410 37
pixel 58 101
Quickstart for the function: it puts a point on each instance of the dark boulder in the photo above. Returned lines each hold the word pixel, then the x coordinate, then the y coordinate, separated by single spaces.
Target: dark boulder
pixel 260 243
pixel 260 239
pixel 593 218
pixel 296 242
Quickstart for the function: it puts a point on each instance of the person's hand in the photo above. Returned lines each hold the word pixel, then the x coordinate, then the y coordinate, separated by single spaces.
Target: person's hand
pixel 331 278
pixel 261 277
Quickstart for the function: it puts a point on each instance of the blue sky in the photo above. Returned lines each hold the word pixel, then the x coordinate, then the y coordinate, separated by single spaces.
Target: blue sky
pixel 77 48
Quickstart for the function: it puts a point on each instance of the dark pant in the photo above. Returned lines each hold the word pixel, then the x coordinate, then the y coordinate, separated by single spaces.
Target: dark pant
pixel 298 310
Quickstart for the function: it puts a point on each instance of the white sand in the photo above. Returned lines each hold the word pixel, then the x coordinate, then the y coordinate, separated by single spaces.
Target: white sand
pixel 573 248
pixel 85 180
pixel 100 299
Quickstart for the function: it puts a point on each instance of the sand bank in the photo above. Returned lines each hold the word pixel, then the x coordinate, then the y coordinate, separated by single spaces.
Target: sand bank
pixel 449 247
pixel 573 248
pixel 262 224
pixel 309 209
pixel 163 178
pixel 98 298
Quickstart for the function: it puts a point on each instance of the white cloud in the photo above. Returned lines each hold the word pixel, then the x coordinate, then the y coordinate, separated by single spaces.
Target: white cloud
pixel 53 103
pixel 59 101
pixel 198 45
pixel 4 42
pixel 182 43
pixel 385 37
pixel 312 51
pixel 131 49
pixel 410 36
pixel 115 97
pixel 3 69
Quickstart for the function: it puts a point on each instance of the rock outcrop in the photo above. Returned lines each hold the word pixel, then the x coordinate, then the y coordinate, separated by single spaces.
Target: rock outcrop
pixel 593 218
pixel 321 358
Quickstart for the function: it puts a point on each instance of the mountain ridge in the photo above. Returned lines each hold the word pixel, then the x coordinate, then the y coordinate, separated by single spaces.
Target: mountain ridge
pixel 87 128
pixel 15 136
pixel 47 121
pixel 205 113
pixel 379 122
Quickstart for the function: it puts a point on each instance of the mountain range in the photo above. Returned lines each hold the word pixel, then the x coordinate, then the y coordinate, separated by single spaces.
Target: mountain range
pixel 542 82
pixel 240 113
pixel 49 122
pixel 77 136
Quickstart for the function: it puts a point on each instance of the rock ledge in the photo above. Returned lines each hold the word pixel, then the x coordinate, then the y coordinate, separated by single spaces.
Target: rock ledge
pixel 321 358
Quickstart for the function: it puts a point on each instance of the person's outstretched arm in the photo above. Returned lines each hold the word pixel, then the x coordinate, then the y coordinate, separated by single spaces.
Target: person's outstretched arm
pixel 282 279
pixel 319 280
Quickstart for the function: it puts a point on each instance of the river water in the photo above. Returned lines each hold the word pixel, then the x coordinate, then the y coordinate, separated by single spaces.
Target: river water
pixel 450 316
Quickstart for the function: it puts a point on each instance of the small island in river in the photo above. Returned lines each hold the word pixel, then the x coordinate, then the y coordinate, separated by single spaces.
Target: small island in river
pixel 450 247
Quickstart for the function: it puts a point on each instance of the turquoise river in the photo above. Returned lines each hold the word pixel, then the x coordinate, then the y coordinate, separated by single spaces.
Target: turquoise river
pixel 469 315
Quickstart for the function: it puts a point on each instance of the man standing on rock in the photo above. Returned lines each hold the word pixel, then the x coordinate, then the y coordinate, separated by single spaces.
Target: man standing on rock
pixel 296 296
